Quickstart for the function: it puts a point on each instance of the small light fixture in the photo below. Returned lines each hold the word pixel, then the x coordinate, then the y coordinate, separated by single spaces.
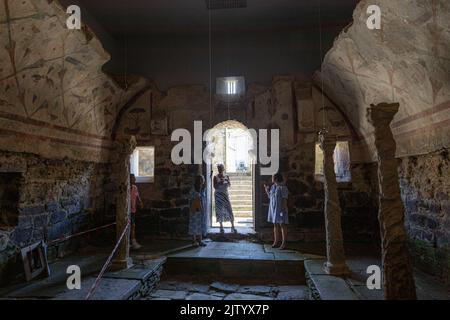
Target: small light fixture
pixel 230 86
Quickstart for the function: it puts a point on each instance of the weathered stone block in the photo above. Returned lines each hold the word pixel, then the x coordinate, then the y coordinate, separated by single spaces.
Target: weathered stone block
pixel 296 186
pixel 25 221
pixel 57 216
pixel 181 202
pixel 161 204
pixel 33 210
pixel 52 207
pixel 170 213
pixel 305 201
pixel 354 199
pixel 59 230
pixel 40 221
pixel 423 221
pixel 39 234
pixel 22 236
pixel 162 171
pixel 172 193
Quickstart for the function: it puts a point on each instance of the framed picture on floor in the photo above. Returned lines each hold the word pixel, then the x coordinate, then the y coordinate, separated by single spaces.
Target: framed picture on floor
pixel 35 261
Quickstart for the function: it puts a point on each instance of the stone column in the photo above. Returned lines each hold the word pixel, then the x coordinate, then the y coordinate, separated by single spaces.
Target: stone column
pixel 398 280
pixel 335 264
pixel 123 148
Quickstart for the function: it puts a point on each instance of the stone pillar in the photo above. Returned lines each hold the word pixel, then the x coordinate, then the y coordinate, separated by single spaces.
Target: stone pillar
pixel 398 280
pixel 335 264
pixel 123 148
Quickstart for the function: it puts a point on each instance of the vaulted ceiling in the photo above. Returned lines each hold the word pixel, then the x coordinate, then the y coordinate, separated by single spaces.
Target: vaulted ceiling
pixel 143 17
pixel 168 40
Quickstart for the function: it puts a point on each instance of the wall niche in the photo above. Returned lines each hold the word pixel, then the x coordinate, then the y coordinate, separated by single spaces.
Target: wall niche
pixel 10 186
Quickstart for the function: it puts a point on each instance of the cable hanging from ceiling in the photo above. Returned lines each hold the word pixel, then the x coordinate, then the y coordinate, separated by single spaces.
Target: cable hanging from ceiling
pixel 126 51
pixel 324 112
pixel 211 108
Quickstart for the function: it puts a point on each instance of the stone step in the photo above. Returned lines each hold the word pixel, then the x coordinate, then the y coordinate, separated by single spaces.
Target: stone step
pixel 240 187
pixel 241 196
pixel 243 214
pixel 240 191
pixel 260 268
pixel 241 202
pixel 128 284
pixel 249 182
pixel 324 286
pixel 248 207
pixel 242 208
pixel 239 176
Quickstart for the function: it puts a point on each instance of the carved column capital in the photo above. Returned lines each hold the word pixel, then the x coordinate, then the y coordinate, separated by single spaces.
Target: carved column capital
pixel 327 142
pixel 382 114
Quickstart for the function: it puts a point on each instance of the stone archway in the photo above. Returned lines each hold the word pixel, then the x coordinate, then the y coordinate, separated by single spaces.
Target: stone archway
pixel 233 147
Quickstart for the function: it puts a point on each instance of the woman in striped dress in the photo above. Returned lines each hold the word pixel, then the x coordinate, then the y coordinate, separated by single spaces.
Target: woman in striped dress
pixel 224 212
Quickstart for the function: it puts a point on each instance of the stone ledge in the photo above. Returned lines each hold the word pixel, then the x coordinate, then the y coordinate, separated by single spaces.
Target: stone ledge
pixel 129 284
pixel 324 286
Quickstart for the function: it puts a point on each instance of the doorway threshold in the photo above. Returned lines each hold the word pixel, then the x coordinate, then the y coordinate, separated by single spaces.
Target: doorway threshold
pixel 240 231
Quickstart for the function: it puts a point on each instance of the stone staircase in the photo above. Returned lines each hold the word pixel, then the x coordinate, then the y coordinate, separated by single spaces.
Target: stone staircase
pixel 241 195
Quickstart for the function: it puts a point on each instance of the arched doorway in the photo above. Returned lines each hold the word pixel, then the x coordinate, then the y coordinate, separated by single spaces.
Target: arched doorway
pixel 232 146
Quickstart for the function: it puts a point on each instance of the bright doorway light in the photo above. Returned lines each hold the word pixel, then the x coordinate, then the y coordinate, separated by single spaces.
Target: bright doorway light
pixel 142 164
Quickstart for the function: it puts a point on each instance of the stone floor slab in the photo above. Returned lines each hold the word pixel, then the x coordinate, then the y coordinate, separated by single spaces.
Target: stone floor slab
pixel 243 296
pixel 224 287
pixel 288 256
pixel 268 248
pixel 108 289
pixel 293 293
pixel 169 294
pixel 365 293
pixel 259 290
pixel 315 267
pixel 333 288
pixel 202 296
pixel 137 272
pixel 183 286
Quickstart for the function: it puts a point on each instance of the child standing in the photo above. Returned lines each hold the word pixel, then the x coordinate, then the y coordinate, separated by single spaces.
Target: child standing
pixel 135 198
pixel 278 209
pixel 197 218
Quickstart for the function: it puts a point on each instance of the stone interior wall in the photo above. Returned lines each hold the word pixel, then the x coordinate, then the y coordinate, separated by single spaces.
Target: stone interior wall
pixel 295 108
pixel 57 112
pixel 405 62
pixel 426 193
pixel 57 198
pixel 55 100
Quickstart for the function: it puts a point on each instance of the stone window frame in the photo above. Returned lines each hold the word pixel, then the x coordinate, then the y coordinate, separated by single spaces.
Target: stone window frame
pixel 134 164
pixel 319 177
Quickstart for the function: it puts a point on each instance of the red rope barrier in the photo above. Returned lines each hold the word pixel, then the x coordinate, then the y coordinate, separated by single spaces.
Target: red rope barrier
pixel 105 266
pixel 80 233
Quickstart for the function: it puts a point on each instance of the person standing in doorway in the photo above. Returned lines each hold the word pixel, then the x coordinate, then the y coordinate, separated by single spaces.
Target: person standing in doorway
pixel 197 218
pixel 224 212
pixel 135 199
pixel 278 209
